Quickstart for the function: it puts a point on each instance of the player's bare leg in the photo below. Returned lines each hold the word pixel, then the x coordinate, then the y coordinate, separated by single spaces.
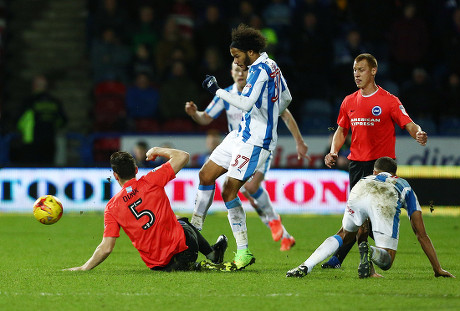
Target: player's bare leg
pixel 205 194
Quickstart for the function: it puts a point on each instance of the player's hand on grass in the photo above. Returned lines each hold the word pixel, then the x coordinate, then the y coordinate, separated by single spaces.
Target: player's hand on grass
pixel 443 273
pixel 190 108
pixel 421 137
pixel 330 159
pixel 210 84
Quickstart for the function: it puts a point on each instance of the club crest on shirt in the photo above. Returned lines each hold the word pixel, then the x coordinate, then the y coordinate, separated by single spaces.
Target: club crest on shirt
pixel 129 189
pixel 376 110
pixel 350 211
pixel 403 110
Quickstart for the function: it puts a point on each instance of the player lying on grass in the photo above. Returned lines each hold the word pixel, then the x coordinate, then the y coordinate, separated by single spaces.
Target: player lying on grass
pixel 377 197
pixel 143 210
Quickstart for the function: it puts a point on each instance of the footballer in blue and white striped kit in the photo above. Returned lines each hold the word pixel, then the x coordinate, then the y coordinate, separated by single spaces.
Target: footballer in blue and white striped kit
pixel 379 198
pixel 217 105
pixel 242 152
pixel 263 99
pixel 253 189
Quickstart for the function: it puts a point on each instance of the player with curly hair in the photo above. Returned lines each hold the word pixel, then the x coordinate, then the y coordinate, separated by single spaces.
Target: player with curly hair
pixel 253 190
pixel 243 151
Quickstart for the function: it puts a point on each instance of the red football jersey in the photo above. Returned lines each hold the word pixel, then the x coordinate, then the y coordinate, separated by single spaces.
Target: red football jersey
pixel 143 210
pixel 372 119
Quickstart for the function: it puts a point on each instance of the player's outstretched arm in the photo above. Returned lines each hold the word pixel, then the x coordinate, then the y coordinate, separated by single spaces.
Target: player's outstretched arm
pixel 199 117
pixel 245 102
pixel 177 158
pixel 100 254
pixel 418 227
pixel 291 124
pixel 417 133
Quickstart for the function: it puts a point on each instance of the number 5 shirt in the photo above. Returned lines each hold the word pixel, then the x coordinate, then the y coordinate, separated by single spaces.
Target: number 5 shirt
pixel 143 210
pixel 372 121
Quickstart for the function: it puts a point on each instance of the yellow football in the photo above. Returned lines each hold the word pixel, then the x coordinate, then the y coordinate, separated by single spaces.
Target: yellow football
pixel 48 209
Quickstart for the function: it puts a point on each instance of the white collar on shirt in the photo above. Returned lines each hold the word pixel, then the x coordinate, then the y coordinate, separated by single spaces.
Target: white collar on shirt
pixel 371 94
pixel 261 58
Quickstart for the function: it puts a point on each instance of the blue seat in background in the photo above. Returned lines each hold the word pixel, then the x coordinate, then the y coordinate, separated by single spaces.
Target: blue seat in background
pixel 316 125
pixel 311 107
pixel 449 126
pixel 427 124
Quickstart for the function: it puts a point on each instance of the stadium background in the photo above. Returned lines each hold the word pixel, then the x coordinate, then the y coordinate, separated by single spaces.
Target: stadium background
pixel 93 52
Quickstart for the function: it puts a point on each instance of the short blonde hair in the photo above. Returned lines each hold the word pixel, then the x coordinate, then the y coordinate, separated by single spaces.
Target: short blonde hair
pixel 371 60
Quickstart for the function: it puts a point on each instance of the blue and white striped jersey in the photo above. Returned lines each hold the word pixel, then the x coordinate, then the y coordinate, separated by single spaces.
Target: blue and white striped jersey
pixel 406 196
pixel 217 105
pixel 263 98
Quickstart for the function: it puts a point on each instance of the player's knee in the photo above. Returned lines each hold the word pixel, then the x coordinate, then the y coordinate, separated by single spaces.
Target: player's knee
pixel 206 178
pixel 386 267
pixel 251 187
pixel 347 237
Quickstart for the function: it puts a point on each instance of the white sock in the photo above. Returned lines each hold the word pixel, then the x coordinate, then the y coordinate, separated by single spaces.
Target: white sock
pixel 285 233
pixel 263 201
pixel 203 201
pixel 259 211
pixel 265 204
pixel 329 246
pixel 381 258
pixel 237 220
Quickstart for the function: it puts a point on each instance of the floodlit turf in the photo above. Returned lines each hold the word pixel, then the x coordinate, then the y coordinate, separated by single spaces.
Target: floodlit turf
pixel 32 256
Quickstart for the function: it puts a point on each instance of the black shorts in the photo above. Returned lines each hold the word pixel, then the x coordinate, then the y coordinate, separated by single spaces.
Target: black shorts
pixel 360 169
pixel 184 261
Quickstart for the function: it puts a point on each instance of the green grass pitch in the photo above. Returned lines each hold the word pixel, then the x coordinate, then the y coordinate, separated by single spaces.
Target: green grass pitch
pixel 32 256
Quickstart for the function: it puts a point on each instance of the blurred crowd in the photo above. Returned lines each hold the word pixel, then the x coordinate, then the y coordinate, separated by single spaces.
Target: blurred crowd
pixel 148 57
pixel 161 51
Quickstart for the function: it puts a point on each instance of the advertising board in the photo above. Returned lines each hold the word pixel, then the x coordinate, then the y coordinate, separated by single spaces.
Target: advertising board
pixel 83 189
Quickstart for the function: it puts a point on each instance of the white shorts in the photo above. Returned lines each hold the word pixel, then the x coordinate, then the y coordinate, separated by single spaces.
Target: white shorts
pixel 380 208
pixel 266 166
pixel 239 158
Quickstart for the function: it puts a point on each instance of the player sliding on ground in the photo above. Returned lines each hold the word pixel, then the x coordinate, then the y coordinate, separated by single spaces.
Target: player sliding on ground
pixel 143 210
pixel 380 198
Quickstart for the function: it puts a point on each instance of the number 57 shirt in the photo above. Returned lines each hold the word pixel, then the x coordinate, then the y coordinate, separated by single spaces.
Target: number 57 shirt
pixel 143 210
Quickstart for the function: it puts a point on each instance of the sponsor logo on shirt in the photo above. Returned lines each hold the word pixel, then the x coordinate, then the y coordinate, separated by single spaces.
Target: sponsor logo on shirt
pixel 364 121
pixel 350 211
pixel 376 111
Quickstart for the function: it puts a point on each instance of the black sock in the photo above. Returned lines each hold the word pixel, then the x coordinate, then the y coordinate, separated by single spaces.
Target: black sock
pixel 343 251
